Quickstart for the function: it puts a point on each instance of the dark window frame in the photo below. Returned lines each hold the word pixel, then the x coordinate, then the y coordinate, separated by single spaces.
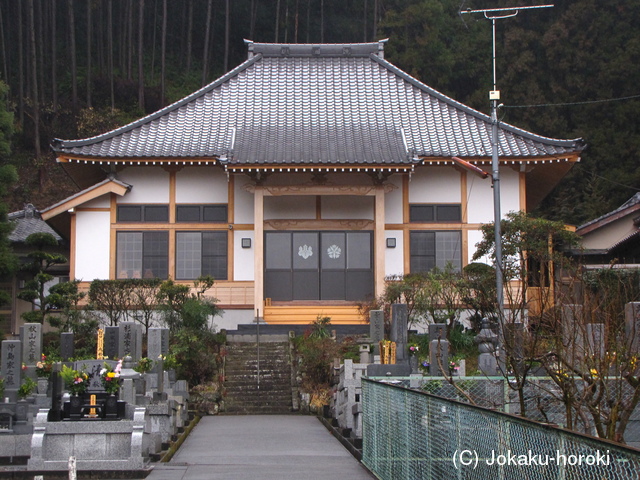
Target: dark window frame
pixel 203 211
pixel 144 213
pixel 203 255
pixel 437 212
pixel 433 254
pixel 146 258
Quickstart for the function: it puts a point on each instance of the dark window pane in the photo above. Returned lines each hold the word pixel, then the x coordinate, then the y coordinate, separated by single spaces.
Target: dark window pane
pixel 215 266
pixel 156 243
pixel 188 213
pixel 214 213
pixel 423 243
pixel 449 213
pixel 421 213
pixel 214 243
pixel 156 213
pixel 278 251
pixel 129 213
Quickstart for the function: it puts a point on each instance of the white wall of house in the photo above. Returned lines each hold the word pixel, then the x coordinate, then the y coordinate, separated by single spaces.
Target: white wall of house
pixel 347 207
pixel 435 185
pixel 102 201
pixel 243 258
pixel 393 201
pixel 201 185
pixel 480 194
pixel 295 207
pixel 92 245
pixel 394 257
pixel 243 200
pixel 149 185
pixel 474 237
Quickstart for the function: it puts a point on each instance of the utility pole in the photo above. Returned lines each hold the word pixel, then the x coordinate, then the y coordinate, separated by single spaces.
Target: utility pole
pixel 494 14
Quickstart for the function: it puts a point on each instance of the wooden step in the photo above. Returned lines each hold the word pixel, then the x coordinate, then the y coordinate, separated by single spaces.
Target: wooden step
pixel 306 314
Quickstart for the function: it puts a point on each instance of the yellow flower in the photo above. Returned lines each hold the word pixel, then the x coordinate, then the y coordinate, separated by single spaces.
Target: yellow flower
pixel 111 374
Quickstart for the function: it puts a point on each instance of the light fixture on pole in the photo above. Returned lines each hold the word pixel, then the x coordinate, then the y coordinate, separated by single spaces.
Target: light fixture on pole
pixel 494 14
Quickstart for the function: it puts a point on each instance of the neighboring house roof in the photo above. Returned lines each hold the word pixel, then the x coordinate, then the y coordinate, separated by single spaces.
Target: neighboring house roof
pixel 26 222
pixel 629 207
pixel 306 105
pixel 59 214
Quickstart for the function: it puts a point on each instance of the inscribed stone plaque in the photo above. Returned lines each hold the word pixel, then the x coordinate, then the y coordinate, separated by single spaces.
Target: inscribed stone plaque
pixel 67 349
pixel 632 318
pixel 127 341
pixel 11 363
pixel 399 331
pixel 438 355
pixel 157 343
pixel 111 342
pixel 595 339
pixel 376 328
pixel 92 369
pixel 437 331
pixel 32 343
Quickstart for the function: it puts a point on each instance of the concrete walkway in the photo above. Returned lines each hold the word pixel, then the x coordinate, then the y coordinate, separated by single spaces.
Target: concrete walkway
pixel 265 447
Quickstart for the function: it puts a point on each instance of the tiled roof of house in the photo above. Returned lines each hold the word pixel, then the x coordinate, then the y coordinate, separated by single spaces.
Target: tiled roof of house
pixel 26 222
pixel 315 104
pixel 630 206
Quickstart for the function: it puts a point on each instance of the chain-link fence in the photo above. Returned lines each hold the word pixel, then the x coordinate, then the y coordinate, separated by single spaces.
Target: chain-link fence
pixel 409 434
pixel 542 398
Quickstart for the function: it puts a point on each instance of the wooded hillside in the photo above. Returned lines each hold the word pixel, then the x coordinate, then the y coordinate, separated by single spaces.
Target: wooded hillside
pixel 76 68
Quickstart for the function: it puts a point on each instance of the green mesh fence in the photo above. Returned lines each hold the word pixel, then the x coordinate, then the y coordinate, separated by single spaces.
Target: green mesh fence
pixel 410 434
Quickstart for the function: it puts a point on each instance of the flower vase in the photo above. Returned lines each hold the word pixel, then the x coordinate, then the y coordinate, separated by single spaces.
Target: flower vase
pixel 111 407
pixel 43 385
pixel 413 362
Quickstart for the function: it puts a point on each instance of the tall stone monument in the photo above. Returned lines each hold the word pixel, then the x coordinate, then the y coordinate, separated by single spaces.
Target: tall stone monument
pixel 11 367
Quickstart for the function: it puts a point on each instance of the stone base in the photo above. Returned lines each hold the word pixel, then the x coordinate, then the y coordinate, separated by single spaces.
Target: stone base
pixel 388 370
pixel 97 445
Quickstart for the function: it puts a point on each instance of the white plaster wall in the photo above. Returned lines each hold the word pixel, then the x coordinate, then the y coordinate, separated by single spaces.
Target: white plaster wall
pixel 480 196
pixel 347 207
pixel 149 185
pixel 243 258
pixel 509 191
pixel 243 200
pixel 394 257
pixel 231 318
pixel 92 245
pixel 290 207
pixel 474 237
pixel 103 201
pixel 393 201
pixel 201 185
pixel 435 185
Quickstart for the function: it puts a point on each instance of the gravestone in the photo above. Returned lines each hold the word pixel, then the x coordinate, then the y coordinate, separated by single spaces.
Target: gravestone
pixel 376 329
pixel 594 341
pixel 31 343
pixel 130 340
pixel 157 343
pixel 514 343
pixel 92 368
pixel 632 325
pixel 111 342
pixel 11 367
pixel 487 342
pixel 399 331
pixel 572 334
pixel 438 355
pixel 67 349
pixel 437 331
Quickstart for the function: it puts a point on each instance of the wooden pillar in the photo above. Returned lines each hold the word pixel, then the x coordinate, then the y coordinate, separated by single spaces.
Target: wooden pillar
pixel 379 242
pixel 258 242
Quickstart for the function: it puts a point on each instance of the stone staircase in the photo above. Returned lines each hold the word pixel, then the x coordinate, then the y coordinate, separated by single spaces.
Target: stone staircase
pixel 244 394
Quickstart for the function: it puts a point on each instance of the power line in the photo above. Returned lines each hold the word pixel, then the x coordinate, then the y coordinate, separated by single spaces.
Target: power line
pixel 588 102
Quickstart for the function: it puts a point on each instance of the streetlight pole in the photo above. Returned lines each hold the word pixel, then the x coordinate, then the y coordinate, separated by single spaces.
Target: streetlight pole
pixel 494 14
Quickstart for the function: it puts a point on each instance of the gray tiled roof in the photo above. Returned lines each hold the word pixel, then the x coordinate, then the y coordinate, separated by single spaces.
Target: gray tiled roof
pixel 629 204
pixel 315 104
pixel 26 222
